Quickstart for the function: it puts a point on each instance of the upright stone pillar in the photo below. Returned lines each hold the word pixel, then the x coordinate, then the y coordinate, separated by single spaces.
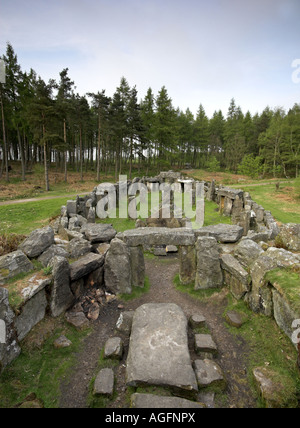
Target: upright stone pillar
pixel 209 273
pixel 117 268
pixel 137 262
pixel 187 268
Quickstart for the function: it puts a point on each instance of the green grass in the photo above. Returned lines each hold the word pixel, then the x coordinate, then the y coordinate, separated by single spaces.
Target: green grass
pixel 101 402
pixel 213 216
pixel 284 207
pixel 288 282
pixel 268 347
pixel 136 291
pixel 24 218
pixel 41 371
pixel 189 289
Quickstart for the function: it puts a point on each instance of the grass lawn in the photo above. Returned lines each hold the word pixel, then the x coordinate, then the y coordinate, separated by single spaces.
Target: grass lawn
pixel 283 204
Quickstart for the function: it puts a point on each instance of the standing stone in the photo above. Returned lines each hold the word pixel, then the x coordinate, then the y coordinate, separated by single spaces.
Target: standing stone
pixel 211 191
pixel 61 296
pixel 209 272
pixel 117 268
pixel 187 267
pixel 137 266
pixel 31 314
pixel 9 348
pixel 71 207
pixel 158 349
pixel 38 242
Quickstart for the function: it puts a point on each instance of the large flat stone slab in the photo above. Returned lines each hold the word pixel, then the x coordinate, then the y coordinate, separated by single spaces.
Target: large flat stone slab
pixel 150 401
pixel 222 232
pixel 158 349
pixel 85 265
pixel 153 236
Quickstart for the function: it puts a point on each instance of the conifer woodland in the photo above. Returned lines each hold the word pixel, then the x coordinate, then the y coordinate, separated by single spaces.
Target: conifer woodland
pixel 51 124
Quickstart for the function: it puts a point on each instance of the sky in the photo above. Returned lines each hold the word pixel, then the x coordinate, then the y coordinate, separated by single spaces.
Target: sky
pixel 203 51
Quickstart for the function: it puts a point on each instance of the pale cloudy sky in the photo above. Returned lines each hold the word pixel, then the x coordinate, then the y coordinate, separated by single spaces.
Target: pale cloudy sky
pixel 203 51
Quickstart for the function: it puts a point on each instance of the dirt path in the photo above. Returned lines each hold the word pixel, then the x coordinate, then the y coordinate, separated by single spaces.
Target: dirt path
pixel 161 272
pixel 46 198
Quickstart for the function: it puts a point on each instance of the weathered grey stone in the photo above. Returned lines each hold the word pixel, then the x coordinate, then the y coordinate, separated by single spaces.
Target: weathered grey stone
pixel 104 383
pixel 77 320
pixel 9 347
pixel 283 311
pixel 159 251
pixel 137 266
pixel 205 346
pixel 97 233
pixel 222 232
pixel 187 264
pixel 150 401
pixel 273 392
pixel 262 235
pixel 234 319
pixel 31 314
pixel 209 373
pixel 230 193
pixel 289 236
pixel 247 251
pixel 155 236
pixel 260 297
pixel 124 322
pixel 209 273
pixel 158 352
pixel 79 247
pixel 38 242
pixel 61 296
pixel 85 265
pixel 34 285
pixel 62 342
pixel 71 207
pixel 235 276
pixel 13 264
pixel 91 217
pixel 197 320
pixel 113 348
pixel 117 268
pixel 211 191
pixel 51 252
pixel 283 257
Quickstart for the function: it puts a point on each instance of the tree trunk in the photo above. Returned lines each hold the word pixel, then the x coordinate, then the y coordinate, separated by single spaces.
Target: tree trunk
pixel 99 147
pixel 65 154
pixel 81 153
pixel 5 154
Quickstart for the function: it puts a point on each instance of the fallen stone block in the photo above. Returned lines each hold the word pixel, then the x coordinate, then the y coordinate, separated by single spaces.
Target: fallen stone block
pixel 104 383
pixel 235 276
pixel 209 373
pixel 13 264
pixel 38 242
pixel 97 233
pixel 113 348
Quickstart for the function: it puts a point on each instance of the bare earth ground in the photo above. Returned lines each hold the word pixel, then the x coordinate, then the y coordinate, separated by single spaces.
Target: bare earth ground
pixel 232 351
